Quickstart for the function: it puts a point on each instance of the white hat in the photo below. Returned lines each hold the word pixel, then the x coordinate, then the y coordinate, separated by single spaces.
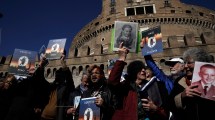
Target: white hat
pixel 174 60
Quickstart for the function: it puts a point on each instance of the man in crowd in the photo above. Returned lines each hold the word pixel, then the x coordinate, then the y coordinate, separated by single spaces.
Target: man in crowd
pixel 97 88
pixel 77 94
pixel 176 69
pixel 59 94
pixel 176 66
pixel 185 101
pixel 29 96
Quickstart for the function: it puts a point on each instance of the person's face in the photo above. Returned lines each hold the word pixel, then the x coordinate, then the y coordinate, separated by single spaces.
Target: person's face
pixel 141 75
pixel 148 73
pixel 176 68
pixel 207 75
pixel 84 81
pixel 1 84
pixel 189 67
pixel 127 32
pixel 95 75
pixel 7 83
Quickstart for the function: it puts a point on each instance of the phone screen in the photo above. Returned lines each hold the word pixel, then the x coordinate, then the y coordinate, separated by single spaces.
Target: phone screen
pixel 143 94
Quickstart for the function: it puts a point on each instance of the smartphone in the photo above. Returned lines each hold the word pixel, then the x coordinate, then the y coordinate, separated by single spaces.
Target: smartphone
pixel 143 94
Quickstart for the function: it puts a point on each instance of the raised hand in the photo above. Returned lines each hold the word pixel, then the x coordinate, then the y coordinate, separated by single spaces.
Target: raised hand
pixel 62 57
pixel 142 42
pixel 43 61
pixel 123 51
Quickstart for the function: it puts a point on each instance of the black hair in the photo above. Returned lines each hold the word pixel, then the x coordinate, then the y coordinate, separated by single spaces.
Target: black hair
pixel 133 69
pixel 60 78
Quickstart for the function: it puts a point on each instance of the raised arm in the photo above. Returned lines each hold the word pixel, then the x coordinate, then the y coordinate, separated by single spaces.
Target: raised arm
pixel 69 78
pixel 116 72
pixel 159 73
pixel 39 73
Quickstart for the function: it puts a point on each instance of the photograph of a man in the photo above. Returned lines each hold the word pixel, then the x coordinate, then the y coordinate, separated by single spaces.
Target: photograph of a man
pixel 204 77
pixel 125 32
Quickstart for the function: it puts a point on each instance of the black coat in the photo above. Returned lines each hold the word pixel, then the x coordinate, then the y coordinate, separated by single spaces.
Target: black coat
pixel 107 109
pixel 6 97
pixel 29 94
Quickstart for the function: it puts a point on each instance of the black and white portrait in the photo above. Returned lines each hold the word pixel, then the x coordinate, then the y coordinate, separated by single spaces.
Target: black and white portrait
pixel 125 32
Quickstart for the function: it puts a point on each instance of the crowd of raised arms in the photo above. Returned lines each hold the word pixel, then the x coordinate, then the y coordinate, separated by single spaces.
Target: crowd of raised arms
pixel 145 92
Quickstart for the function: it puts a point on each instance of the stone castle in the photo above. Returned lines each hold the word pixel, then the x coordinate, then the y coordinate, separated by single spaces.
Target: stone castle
pixel 182 25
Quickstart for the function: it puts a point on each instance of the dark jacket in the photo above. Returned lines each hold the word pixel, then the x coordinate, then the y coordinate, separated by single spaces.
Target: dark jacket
pixel 62 85
pixel 106 110
pixel 63 92
pixel 29 94
pixel 6 97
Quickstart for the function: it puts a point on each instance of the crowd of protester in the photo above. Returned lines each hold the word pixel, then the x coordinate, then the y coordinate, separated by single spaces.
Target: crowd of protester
pixel 145 93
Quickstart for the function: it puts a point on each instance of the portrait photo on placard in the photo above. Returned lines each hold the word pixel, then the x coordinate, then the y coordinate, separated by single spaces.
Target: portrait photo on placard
pixel 204 78
pixel 55 48
pixel 125 32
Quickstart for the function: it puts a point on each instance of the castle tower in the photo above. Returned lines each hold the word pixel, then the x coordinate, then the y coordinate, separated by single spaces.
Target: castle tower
pixel 182 26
